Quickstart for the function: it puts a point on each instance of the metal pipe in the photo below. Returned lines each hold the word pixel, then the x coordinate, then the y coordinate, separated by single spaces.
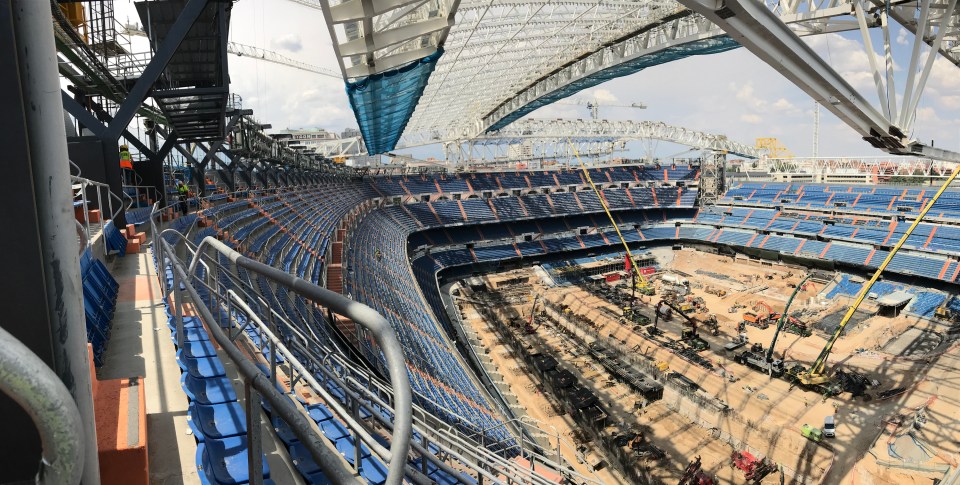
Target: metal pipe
pixel 33 385
pixel 365 316
pixel 330 462
pixel 83 235
pixel 40 82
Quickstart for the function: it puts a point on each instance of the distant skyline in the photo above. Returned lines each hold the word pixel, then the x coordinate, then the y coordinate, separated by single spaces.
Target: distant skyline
pixel 732 94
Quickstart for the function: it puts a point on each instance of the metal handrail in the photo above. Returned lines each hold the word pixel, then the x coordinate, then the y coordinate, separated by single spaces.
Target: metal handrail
pixel 38 390
pixel 363 389
pixel 257 385
pixel 378 326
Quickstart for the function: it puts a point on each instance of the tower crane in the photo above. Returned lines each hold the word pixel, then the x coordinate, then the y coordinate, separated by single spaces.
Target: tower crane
pixel 594 105
pixel 244 50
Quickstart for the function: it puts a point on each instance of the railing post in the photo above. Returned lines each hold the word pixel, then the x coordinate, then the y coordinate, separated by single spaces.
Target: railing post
pixel 254 442
pixel 103 237
pixel 178 306
pixel 273 347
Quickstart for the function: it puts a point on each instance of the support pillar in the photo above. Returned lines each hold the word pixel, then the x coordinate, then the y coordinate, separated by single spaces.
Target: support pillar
pixel 43 305
pixel 712 177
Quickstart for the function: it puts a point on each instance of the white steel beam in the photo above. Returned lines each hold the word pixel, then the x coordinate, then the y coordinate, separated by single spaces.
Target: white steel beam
pixel 760 31
pixel 375 36
pixel 607 136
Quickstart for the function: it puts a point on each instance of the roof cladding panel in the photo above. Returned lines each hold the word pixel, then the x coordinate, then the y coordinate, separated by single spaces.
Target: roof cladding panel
pixel 499 48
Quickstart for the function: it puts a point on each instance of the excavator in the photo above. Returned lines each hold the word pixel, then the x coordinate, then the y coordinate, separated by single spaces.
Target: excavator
pixel 689 333
pixel 816 377
pixel 754 357
pixel 643 286
pixel 529 328
pixel 663 309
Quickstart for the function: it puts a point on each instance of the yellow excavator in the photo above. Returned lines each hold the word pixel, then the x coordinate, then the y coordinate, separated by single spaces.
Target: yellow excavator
pixel 816 377
pixel 640 283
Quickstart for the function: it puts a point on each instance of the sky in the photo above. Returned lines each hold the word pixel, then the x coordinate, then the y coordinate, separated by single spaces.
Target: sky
pixel 733 93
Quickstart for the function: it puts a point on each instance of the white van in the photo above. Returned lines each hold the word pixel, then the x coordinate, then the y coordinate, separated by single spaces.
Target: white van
pixel 829 427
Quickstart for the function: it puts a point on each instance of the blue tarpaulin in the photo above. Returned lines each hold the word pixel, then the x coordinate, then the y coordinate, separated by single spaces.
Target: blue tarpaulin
pixel 384 102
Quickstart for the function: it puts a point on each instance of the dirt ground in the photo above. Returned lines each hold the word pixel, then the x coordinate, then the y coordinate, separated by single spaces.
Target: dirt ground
pixel 765 414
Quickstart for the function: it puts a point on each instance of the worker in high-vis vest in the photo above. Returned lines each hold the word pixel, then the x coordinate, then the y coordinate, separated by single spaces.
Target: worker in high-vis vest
pixel 183 193
pixel 125 160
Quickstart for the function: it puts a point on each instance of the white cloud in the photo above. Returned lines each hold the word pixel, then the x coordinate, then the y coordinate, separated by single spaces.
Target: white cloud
pixel 290 42
pixel 783 105
pixel 751 118
pixel 902 37
pixel 602 95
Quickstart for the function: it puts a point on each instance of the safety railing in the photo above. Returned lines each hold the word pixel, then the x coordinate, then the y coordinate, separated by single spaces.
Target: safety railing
pixel 27 380
pixel 310 361
pixel 142 195
pixel 81 184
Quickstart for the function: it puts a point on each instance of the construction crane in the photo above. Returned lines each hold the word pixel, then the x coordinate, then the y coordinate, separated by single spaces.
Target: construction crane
pixel 594 105
pixel 816 376
pixel 645 287
pixel 784 317
pixel 243 50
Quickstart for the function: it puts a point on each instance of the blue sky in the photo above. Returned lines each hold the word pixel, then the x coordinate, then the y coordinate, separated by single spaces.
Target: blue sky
pixel 732 93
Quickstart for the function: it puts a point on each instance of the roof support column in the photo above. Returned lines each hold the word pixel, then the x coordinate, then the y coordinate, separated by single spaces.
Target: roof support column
pixel 43 304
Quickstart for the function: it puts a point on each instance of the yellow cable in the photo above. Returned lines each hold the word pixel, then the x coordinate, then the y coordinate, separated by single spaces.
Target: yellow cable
pixel 603 203
pixel 818 366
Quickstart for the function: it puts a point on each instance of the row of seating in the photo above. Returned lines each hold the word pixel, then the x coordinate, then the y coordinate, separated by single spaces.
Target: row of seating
pixel 905 262
pixel 872 199
pixel 279 251
pixel 380 277
pixel 100 292
pixel 498 182
pixel 216 418
pixel 537 206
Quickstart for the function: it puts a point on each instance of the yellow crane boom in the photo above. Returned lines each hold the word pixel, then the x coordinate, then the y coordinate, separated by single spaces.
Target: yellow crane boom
pixel 644 283
pixel 816 374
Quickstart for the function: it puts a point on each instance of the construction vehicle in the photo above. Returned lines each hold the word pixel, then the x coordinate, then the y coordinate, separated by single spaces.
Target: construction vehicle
pixel 694 475
pixel 662 310
pixel 712 324
pixel 784 318
pixel 674 279
pixel 797 327
pixel 943 312
pixel 736 343
pixel 754 469
pixel 688 334
pixel 811 433
pixel 755 320
pixel 715 291
pixel 635 316
pixel 755 358
pixel 763 318
pixel 816 377
pixel 529 328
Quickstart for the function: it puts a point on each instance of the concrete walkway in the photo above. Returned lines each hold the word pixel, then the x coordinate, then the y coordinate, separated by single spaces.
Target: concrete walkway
pixel 140 345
